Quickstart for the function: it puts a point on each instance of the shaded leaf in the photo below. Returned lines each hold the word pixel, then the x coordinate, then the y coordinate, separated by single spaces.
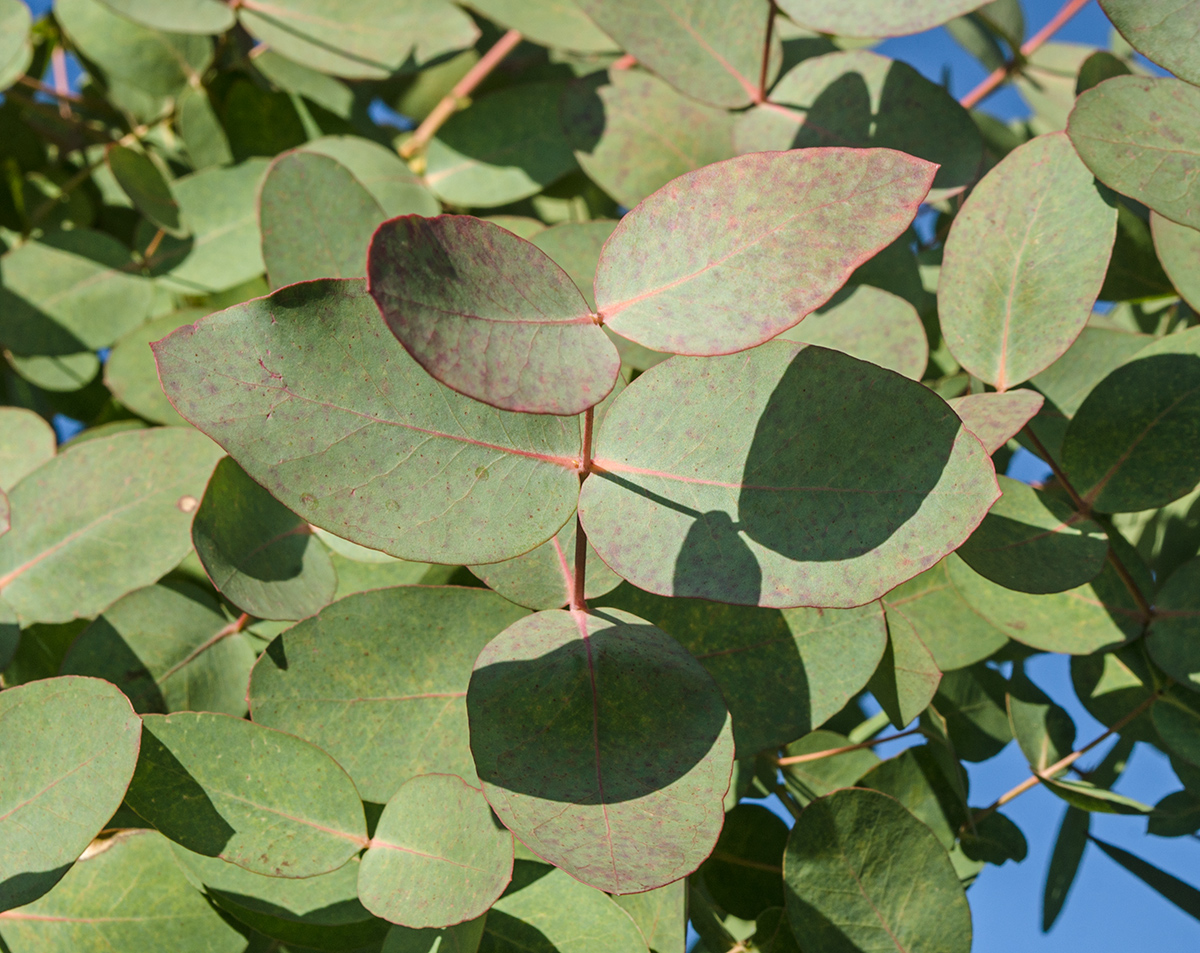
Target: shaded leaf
pixel 603 745
pixel 1178 725
pixel 26 442
pixel 1112 684
pixel 742 875
pixel 1178 249
pixel 971 703
pixel 461 938
pixel 1069 846
pixel 1089 797
pixel 661 915
pixel 181 16
pixel 996 839
pixel 1134 273
pixel 907 677
pixel 1160 30
pixel 1175 630
pixel 145 186
pixel 1042 728
pixel 772 933
pixel 875 17
pixel 1183 895
pixel 381 172
pixel 996 418
pixel 1176 815
pixel 918 779
pixel 131 375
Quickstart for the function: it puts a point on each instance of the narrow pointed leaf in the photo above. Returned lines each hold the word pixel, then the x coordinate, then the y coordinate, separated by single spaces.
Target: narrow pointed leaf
pixel 379 681
pixel 1043 729
pixel 1024 263
pixel 1183 895
pixel 264 800
pixel 1141 136
pixel 68 747
pixel 396 188
pixel 671 282
pixel 1064 863
pixel 603 745
pixel 907 677
pixel 1178 249
pixel 875 17
pixel 132 498
pixel 1174 635
pixel 528 343
pixel 851 863
pixel 1089 797
pixel 996 418
pixel 355 437
pixel 128 896
pixel 26 442
pixel 1161 30
pixel 181 16
pixel 751 501
pixel 710 51
pixel 438 856
pixel 316 219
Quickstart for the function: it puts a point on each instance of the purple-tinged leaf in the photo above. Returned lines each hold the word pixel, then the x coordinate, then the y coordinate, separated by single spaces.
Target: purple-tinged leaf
pixel 490 315
pixel 997 418
pixel 729 256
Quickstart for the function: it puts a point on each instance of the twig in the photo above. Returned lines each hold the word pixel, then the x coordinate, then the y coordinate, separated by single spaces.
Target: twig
pixel 830 752
pixel 766 57
pixel 62 85
pixel 49 90
pixel 628 61
pixel 1028 48
pixel 463 88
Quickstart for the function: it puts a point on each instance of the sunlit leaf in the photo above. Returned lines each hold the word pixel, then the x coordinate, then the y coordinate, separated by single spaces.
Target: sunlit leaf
pixel 181 16
pixel 907 677
pixel 381 172
pixel 131 375
pixel 875 17
pixel 1178 249
pixel 1097 800
pixel 808 780
pixel 1042 728
pixel 15 48
pixel 26 442
pixel 661 915
pixel 917 779
pixel 548 23
pixel 460 938
pixel 995 418
pixel 1161 30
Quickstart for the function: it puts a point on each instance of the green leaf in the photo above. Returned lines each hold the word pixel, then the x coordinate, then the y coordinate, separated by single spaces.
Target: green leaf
pixel 609 117
pixel 62 373
pixel 1024 262
pixel 507 146
pixel 751 502
pixel 26 442
pixel 261 799
pixel 1176 815
pixel 971 703
pixel 1160 30
pixel 742 875
pixel 1178 249
pixel 551 913
pixel 132 498
pixel 1091 617
pixel 384 671
pixel 386 458
pixel 996 418
pixel 461 938
pixel 808 780
pixel 168 648
pixel 381 172
pixel 70 291
pixel 438 857
pixel 1112 684
pixel 142 181
pixel 1064 863
pixel 996 839
pixel 1134 444
pixel 851 863
pixel 200 130
pixel 354 576
pixel 1035 542
pixel 1088 797
pixel 68 747
pixel 358 40
pixel 871 18
pixel 1183 895
pixel 858 98
pixel 15 49
pixel 772 933
pixel 528 344
pixel 1134 273
pixel 1139 136
pixel 871 325
pixel 782 673
pixel 603 745
pixel 181 16
pixel 1178 725
pixel 258 553
pixel 548 23
pixel 1043 729
pixel 1175 630
pixel 1098 67
pixel 131 375
pixel 907 677
pixel 711 52
pixel 316 219
pixel 937 614
pixel 772 206
pixel 129 895
pixel 321 912
pixel 661 915
pixel 918 779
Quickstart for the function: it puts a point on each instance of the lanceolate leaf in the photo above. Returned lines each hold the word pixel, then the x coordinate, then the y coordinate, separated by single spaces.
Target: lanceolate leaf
pixel 1024 263
pixel 995 418
pixel 352 435
pixel 852 861
pixel 316 219
pixel 602 745
pixel 527 343
pixel 438 856
pixel 711 52
pixel 1178 249
pixel 379 681
pixel 128 896
pixel 1183 895
pixel 1141 136
pixel 132 499
pixel 1064 863
pixel 672 282
pixel 1174 636
pixel 1162 30
pixel 261 799
pixel 875 17
pixel 26 442
pixel 725 479
pixel 68 747
pixel 1088 797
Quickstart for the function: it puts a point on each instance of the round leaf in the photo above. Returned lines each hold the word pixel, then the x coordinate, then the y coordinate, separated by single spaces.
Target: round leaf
pixel 16 52
pixel 672 282
pixel 179 16
pixel 528 343
pixel 438 856
pixel 744 495
pixel 875 17
pixel 1162 30
pixel 1174 636
pixel 131 375
pixel 603 745
pixel 26 442
pixel 68 747
pixel 575 247
pixel 381 172
pixel 1178 249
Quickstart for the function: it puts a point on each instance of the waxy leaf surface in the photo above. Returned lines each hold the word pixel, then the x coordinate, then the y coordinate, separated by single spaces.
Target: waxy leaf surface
pixel 527 342
pixel 132 498
pixel 875 17
pixel 603 745
pixel 179 16
pixel 661 915
pixel 319 403
pixel 793 227
pixel 264 800
pixel 996 418
pixel 549 23
pixel 26 442
pixel 1024 262
pixel 916 778
pixel 438 856
pixel 130 373
pixel 379 681
pixel 907 677
pixel 1174 636
pixel 1141 136
pixel 724 479
pixel 1164 31
pixel 15 48
pixel 1178 249
pixel 1089 797
pixel 381 172
pixel 68 747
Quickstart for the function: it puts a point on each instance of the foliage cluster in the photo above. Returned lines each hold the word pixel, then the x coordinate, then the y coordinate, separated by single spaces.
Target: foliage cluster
pixel 470 523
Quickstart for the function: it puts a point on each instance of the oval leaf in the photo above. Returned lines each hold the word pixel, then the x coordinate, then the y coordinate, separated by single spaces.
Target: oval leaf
pixel 996 418
pixel 180 16
pixel 1162 30
pixel 1178 249
pixel 1174 635
pixel 871 18
pixel 381 172
pixel 146 187
pixel 26 442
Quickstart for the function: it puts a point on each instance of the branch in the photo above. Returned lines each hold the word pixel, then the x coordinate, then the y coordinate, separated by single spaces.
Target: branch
pixel 830 752
pixel 462 89
pixel 1028 48
pixel 766 57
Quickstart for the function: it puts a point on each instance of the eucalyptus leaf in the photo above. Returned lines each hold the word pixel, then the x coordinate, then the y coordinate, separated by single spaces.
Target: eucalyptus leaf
pixel 15 48
pixel 907 677
pixel 1178 249
pixel 26 442
pixel 918 781
pixel 1174 632
pixel 461 938
pixel 996 418
pixel 1178 725
pixel 1089 797
pixel 871 18
pixel 1069 847
pixel 742 875
pixel 143 182
pixel 817 777
pixel 1160 30
pixel 1183 895
pixel 381 172
pixel 661 915
pixel 130 374
pixel 971 703
pixel 1042 728
pixel 181 16
pixel 548 23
